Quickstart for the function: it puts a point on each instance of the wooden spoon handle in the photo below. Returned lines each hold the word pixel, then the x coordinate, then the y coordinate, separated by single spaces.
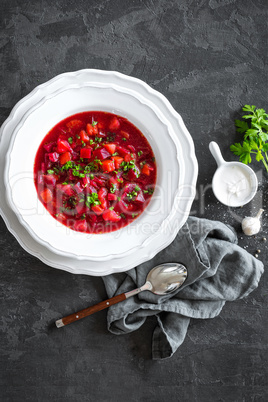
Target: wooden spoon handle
pixel 90 310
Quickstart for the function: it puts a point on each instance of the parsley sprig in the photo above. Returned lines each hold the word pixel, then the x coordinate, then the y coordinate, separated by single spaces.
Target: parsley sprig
pixel 255 130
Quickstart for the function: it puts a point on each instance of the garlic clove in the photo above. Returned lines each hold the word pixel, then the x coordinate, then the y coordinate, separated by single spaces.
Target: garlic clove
pixel 252 225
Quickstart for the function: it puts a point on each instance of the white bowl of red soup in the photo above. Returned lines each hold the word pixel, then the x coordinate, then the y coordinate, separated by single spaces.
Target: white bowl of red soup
pixel 93 172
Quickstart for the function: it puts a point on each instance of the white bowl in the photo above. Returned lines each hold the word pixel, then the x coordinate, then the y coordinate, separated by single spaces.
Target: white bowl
pixel 187 173
pixel 36 123
pixel 234 184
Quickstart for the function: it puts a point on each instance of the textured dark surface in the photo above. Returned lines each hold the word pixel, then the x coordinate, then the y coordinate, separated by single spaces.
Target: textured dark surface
pixel 208 58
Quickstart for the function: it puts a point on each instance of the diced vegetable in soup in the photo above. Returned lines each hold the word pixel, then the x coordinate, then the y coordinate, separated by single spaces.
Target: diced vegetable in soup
pixel 95 172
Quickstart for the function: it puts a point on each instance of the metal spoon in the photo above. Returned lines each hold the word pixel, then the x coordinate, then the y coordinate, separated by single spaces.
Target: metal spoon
pixel 161 280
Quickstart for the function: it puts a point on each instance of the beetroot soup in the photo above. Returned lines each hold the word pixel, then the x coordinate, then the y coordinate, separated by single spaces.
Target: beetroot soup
pixel 95 172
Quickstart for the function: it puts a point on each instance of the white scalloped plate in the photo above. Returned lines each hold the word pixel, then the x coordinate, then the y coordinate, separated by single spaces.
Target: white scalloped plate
pixel 188 174
pixel 22 195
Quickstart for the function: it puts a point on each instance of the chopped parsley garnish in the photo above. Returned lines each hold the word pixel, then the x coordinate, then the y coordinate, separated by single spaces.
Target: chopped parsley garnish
pixel 91 142
pixel 123 216
pixel 92 199
pixel 71 202
pixel 50 171
pixel 87 169
pixel 78 171
pixel 133 193
pixel 98 139
pixel 92 166
pixel 94 123
pixel 111 137
pixel 126 166
pixel 70 140
pixel 149 191
pixel 113 188
pixel 134 215
pixel 140 153
pixel 68 165
pixel 124 139
pixel 143 163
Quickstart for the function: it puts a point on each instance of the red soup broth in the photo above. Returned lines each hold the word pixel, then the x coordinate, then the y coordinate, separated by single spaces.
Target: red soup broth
pixel 95 172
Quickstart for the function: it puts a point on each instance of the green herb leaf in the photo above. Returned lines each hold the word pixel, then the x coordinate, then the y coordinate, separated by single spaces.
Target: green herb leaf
pixel 248 108
pixel 255 137
pixel 243 151
pixel 251 132
pixel 242 126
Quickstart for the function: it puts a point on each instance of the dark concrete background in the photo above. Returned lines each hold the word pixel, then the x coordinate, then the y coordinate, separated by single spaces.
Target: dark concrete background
pixel 208 57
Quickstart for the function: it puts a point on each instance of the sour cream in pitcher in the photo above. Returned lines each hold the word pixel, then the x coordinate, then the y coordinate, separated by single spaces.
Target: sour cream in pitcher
pixel 233 185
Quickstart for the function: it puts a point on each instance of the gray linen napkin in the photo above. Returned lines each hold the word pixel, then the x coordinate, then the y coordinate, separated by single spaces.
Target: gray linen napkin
pixel 218 271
